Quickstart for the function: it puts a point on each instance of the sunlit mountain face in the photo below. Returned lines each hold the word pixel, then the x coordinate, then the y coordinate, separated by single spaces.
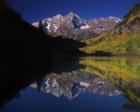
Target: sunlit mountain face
pixel 73 26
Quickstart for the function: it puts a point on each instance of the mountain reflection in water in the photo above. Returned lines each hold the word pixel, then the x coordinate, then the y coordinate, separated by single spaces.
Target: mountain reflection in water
pixel 72 84
pixel 95 79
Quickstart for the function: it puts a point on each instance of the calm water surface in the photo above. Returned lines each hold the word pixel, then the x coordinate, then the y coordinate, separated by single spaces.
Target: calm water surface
pixel 85 85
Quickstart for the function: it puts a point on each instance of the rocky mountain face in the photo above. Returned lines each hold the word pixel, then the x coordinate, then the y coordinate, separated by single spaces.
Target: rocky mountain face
pixel 103 24
pixel 72 26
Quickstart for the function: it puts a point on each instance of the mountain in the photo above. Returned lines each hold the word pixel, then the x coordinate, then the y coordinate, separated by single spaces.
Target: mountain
pixel 101 25
pixel 72 26
pixel 123 39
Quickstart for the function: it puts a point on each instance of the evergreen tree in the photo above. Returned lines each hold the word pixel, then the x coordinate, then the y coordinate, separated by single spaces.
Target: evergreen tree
pixel 40 25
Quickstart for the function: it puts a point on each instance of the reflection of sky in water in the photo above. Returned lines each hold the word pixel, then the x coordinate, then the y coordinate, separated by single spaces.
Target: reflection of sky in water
pixel 32 100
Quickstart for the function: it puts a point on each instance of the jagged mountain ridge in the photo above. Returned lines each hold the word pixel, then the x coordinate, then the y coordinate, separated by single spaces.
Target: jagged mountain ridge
pixel 72 26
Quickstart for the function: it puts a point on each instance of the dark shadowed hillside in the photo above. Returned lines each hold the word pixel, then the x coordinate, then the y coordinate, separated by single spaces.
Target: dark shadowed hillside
pixel 20 40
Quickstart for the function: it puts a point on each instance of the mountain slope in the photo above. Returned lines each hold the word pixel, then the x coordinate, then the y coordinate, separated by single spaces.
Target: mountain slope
pixel 18 39
pixel 124 38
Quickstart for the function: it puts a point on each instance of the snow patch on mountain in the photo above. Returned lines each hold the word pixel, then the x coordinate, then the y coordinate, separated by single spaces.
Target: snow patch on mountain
pixel 56 27
pixel 36 24
pixel 48 26
pixel 85 27
pixel 115 19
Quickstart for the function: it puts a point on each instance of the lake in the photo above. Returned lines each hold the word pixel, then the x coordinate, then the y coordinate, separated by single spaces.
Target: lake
pixel 86 84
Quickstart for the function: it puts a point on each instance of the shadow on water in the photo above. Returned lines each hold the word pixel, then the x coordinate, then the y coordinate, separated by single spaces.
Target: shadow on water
pixel 16 77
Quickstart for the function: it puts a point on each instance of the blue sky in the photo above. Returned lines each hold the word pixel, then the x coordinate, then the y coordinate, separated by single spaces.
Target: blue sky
pixel 34 10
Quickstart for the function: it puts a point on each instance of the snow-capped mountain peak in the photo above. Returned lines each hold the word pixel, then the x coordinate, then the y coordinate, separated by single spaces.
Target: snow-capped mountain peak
pixel 75 21
pixel 72 25
pixel 71 20
pixel 72 14
pixel 58 16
